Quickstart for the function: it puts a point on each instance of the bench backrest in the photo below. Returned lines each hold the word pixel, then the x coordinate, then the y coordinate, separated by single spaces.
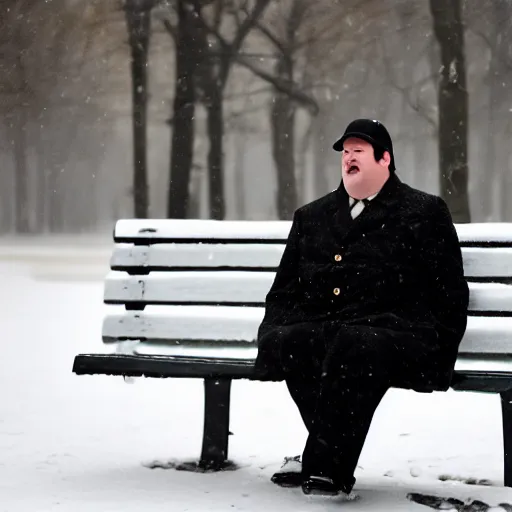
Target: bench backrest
pixel 205 280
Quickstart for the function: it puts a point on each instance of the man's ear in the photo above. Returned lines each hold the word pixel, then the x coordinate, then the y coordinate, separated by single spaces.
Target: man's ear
pixel 386 159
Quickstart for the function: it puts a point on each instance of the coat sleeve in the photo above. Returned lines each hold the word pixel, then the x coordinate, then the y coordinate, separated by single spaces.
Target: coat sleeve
pixel 282 302
pixel 447 291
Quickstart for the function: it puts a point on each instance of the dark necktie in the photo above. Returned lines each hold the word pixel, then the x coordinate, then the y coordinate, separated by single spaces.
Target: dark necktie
pixel 358 206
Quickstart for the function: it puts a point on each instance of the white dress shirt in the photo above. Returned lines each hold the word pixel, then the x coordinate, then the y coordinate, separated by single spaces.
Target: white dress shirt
pixel 356 206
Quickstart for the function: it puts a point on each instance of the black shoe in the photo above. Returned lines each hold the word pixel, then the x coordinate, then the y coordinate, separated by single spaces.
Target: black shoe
pixel 326 486
pixel 290 474
pixel 320 485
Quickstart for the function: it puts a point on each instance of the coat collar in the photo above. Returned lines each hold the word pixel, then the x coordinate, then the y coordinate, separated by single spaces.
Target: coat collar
pixel 374 213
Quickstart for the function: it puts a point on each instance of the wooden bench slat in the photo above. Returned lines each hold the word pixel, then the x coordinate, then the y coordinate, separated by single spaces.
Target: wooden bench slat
pixel 487 335
pixel 488 263
pixel 186 287
pixel 229 324
pixel 240 287
pixel 478 262
pixel 496 297
pixel 169 256
pixel 477 364
pixel 215 352
pixel 183 323
pixel 485 233
pixel 156 230
pixel 185 229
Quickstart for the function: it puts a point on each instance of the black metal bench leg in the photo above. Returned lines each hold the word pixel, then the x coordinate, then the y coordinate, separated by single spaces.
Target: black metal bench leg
pixel 506 407
pixel 214 454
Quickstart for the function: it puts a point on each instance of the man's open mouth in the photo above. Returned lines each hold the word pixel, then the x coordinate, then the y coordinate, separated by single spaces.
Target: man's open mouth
pixel 353 169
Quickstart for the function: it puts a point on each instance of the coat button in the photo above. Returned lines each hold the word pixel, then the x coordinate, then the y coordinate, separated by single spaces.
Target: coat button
pixel 337 257
pixel 336 291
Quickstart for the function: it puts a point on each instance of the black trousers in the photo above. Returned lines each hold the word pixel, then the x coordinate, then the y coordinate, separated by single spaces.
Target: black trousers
pixel 337 375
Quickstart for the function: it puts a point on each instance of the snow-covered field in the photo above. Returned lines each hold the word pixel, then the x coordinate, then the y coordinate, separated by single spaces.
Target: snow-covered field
pixel 81 443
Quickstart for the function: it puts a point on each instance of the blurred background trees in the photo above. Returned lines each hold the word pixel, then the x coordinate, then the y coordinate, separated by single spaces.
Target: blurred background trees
pixel 228 109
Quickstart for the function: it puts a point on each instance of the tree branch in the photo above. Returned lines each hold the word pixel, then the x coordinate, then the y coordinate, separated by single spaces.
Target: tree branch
pixel 272 38
pixel 246 94
pixel 283 86
pixel 248 23
pixel 231 49
pixel 242 31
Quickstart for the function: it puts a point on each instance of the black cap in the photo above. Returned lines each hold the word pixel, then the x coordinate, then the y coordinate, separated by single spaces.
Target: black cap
pixel 371 131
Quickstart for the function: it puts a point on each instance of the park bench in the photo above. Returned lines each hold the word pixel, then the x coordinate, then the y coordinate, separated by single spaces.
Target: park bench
pixel 187 297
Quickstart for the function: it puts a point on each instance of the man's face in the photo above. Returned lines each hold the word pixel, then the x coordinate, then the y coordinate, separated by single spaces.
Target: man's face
pixel 358 161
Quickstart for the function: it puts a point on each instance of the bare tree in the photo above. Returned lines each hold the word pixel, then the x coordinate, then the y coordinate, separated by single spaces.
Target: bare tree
pixel 489 21
pixel 17 91
pixel 285 30
pixel 312 44
pixel 204 58
pixel 138 22
pixel 283 108
pixel 217 60
pixel 184 33
pixel 452 107
pixel 45 49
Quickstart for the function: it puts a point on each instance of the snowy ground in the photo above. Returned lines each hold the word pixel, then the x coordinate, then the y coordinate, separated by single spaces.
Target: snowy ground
pixel 80 443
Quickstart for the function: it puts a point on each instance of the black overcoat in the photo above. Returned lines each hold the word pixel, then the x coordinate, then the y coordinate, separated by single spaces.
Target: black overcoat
pixel 395 270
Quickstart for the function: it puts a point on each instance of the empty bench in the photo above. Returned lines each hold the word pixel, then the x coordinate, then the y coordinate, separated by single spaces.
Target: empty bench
pixel 187 297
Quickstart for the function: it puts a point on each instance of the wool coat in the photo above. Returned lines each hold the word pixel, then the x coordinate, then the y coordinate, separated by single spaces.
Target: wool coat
pixel 394 273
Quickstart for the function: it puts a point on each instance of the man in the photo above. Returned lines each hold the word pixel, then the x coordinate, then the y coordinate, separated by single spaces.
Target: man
pixel 369 294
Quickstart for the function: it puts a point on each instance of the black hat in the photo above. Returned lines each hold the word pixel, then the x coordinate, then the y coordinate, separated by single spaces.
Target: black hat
pixel 371 131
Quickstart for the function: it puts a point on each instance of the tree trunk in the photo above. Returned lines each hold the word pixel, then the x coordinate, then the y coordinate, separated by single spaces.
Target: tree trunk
pixel 215 65
pixel 182 150
pixel 240 141
pixel 321 145
pixel 506 187
pixel 211 78
pixel 211 75
pixel 421 154
pixel 138 20
pixel 501 210
pixel 55 202
pixel 488 178
pixel 303 166
pixel 6 185
pixel 282 125
pixel 215 154
pixel 21 179
pixel 490 182
pixel 502 195
pixel 452 107
pixel 41 186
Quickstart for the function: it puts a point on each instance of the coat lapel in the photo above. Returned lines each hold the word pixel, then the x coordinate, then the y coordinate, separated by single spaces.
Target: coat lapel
pixel 340 219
